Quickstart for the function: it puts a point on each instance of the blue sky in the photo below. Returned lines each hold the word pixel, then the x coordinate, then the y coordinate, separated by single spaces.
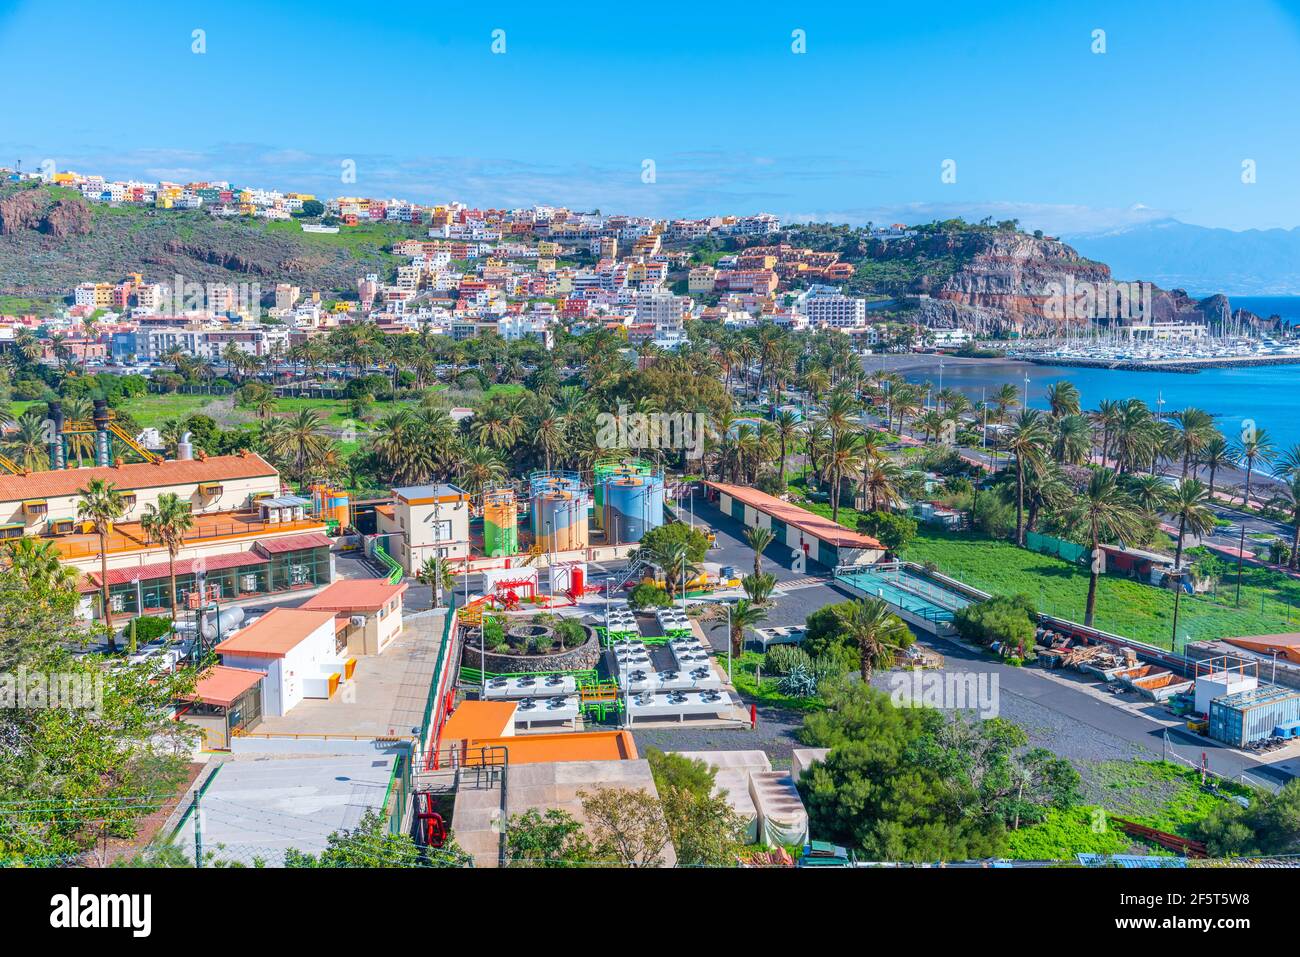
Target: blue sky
pixel 855 129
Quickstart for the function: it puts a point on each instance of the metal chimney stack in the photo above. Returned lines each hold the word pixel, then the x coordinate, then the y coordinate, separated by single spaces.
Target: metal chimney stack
pixel 103 452
pixel 58 454
pixel 184 449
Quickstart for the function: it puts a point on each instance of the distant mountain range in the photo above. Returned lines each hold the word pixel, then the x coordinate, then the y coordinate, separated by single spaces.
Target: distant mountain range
pixel 1201 260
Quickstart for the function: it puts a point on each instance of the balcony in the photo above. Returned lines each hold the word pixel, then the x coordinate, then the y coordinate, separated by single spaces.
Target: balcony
pixel 215 526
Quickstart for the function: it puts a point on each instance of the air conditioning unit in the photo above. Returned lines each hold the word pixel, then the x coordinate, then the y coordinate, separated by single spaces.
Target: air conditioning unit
pixel 248 582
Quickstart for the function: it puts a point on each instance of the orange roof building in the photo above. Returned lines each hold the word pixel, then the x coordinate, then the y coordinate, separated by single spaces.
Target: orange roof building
pixel 822 540
pixel 369 610
pixel 276 633
pixel 298 650
pixel 225 701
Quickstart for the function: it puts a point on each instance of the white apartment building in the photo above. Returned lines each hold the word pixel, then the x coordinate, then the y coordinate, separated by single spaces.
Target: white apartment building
pixel 836 310
pixel 666 311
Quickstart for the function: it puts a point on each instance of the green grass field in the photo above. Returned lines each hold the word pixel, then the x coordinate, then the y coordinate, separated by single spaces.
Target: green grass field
pixel 1163 796
pixel 1269 602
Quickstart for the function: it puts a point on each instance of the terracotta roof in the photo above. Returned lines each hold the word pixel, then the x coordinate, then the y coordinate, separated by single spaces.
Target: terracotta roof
pixel 293 543
pixel 136 475
pixel 221 686
pixel 356 594
pixel 816 525
pixel 276 633
pixel 184 566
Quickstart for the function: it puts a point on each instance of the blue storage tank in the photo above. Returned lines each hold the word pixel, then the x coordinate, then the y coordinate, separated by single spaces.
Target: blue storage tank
pixel 634 504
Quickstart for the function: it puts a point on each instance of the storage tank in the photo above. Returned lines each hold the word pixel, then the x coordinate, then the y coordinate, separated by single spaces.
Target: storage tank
pixel 606 472
pixel 634 504
pixel 560 520
pixel 500 524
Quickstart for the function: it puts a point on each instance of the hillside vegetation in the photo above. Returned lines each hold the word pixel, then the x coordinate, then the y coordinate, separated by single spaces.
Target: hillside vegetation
pixel 51 239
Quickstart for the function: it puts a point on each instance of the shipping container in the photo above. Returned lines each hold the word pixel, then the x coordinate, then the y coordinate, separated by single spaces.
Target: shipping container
pixel 1238 719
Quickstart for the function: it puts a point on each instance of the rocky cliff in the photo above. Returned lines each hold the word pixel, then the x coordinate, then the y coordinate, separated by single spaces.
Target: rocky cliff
pixel 1010 281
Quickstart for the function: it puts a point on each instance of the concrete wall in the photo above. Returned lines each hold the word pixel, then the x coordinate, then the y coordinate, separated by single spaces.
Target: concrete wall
pixel 234 493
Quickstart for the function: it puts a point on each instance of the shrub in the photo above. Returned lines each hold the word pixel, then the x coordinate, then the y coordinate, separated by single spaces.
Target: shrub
pixel 1007 619
pixel 646 595
pixel 570 632
pixel 150 627
pixel 799 683
pixel 494 633
pixel 895 532
pixel 782 659
pixel 993 516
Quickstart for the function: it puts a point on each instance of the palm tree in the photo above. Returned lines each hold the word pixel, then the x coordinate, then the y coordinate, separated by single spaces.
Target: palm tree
pixel 478 467
pixel 166 523
pixel 1189 502
pixel 1216 454
pixel 744 614
pixel 27 445
pixel 79 408
pixel 880 478
pixel 841 458
pixel 1063 399
pixel 300 443
pixel 1291 499
pixel 1027 441
pixel 403 448
pixel 101 504
pixel 758 588
pixel 436 573
pixel 759 538
pixel 1106 417
pixel 877 632
pixel 1132 433
pixel 671 558
pixel 1107 511
pixel 1073 441
pixel 787 427
pixel 1194 427
pixel 36 562
pixel 1150 494
pixel 1254 447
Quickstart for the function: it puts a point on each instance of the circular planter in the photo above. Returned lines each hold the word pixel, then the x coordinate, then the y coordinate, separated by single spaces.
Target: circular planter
pixel 579 658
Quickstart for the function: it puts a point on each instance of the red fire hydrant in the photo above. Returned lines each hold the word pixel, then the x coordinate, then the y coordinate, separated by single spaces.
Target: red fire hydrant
pixel 753 717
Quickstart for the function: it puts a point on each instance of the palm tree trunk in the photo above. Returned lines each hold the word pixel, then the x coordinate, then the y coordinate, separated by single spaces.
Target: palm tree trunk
pixel 171 574
pixel 1178 552
pixel 1092 580
pixel 1092 598
pixel 1020 501
pixel 1295 545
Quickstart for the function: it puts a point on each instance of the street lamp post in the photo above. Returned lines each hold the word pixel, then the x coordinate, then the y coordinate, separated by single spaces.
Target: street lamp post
pixel 728 642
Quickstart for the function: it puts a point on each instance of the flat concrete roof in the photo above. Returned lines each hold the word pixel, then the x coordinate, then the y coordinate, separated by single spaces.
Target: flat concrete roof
pixel 386 696
pixel 260 807
pixel 477 818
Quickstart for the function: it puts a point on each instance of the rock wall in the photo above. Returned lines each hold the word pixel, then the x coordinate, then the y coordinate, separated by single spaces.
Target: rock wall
pixel 581 658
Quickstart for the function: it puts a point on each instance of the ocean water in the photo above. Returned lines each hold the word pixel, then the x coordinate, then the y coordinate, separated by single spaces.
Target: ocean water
pixel 1265 395
pixel 1288 307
